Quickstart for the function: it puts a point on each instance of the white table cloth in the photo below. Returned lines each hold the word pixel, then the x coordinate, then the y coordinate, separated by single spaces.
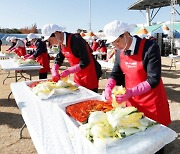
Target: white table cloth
pixel 9 65
pixel 106 65
pixel 53 132
pixel 5 56
pixel 99 53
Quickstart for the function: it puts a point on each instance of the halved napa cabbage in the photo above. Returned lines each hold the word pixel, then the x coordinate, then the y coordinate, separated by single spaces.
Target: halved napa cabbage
pixel 115 124
pixel 116 114
pixel 97 117
pixel 118 90
pixel 46 89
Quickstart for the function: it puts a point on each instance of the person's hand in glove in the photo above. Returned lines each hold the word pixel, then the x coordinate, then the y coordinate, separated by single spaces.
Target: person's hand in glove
pixel 108 89
pixel 27 55
pixel 141 88
pixel 12 50
pixel 73 69
pixel 55 73
pixel 30 57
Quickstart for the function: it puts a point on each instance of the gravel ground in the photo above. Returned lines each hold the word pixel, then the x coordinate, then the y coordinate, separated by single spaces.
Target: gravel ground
pixel 11 120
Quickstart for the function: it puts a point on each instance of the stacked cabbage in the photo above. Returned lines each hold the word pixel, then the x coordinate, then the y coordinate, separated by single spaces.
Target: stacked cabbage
pixel 115 124
pixel 26 62
pixel 23 62
pixel 46 89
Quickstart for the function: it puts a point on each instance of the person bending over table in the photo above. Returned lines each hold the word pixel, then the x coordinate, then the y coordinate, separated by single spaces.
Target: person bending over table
pixel 40 54
pixel 8 39
pixel 19 48
pixel 95 44
pixel 103 49
pixel 86 69
pixel 140 61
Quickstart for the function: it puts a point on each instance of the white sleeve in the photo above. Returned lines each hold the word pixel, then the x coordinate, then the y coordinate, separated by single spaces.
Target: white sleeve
pixel 19 44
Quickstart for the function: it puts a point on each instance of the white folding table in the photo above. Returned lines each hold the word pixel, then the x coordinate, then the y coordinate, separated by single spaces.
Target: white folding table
pixel 6 56
pixel 106 65
pixel 8 65
pixel 53 131
pixel 174 60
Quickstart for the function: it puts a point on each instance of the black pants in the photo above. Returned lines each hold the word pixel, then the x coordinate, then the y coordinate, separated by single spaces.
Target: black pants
pixel 42 75
pixel 103 57
pixel 95 90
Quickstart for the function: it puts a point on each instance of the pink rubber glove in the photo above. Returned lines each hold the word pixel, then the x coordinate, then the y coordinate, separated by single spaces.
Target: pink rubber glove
pixel 25 56
pixel 55 73
pixel 73 69
pixel 141 88
pixel 12 49
pixel 30 57
pixel 108 89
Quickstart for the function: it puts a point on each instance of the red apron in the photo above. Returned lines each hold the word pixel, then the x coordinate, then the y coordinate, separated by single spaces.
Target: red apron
pixel 94 46
pixel 43 60
pixel 154 103
pixel 86 77
pixel 103 49
pixel 20 51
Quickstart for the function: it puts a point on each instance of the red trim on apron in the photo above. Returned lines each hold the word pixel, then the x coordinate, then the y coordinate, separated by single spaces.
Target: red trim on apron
pixel 154 103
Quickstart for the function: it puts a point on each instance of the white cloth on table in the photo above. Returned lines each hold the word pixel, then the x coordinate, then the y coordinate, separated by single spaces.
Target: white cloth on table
pixel 9 65
pixel 104 64
pixel 53 131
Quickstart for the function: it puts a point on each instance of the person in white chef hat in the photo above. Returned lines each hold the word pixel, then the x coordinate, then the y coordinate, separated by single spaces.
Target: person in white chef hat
pixel 40 54
pixel 85 68
pixel 138 68
pixel 8 39
pixel 19 47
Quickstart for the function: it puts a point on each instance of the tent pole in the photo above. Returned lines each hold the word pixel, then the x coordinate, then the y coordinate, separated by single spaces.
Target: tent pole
pixel 89 15
pixel 148 15
pixel 173 14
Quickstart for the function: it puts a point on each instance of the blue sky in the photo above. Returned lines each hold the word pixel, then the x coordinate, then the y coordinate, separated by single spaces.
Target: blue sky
pixel 72 14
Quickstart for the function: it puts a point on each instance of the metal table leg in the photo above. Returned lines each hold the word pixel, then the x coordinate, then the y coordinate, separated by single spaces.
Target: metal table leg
pixel 9 96
pixel 20 133
pixel 173 63
pixel 6 77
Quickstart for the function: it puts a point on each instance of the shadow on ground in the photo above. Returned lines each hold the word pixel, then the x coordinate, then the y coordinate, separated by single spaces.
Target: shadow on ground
pixel 7 103
pixel 173 95
pixel 13 120
pixel 171 73
pixel 173 147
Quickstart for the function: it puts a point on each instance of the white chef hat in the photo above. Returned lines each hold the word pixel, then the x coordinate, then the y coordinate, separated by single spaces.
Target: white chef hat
pixel 49 29
pixel 31 36
pixel 8 39
pixel 116 28
pixel 13 38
